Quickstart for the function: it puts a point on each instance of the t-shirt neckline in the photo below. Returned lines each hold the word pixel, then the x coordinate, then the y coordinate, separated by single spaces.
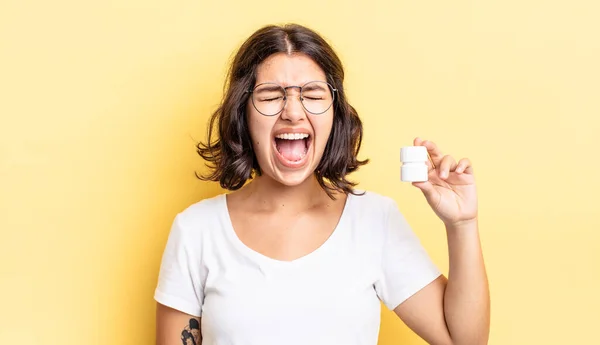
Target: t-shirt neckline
pixel 264 259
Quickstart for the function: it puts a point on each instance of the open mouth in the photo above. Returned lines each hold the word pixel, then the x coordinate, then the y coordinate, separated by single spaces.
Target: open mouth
pixel 292 148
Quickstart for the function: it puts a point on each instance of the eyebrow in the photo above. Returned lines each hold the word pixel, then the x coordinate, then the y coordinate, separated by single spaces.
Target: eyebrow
pixel 315 86
pixel 269 87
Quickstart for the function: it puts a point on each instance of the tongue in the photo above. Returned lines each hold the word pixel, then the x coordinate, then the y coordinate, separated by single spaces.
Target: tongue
pixel 292 150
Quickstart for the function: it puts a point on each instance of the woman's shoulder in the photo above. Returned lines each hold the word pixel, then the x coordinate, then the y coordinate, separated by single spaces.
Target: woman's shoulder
pixel 202 212
pixel 371 207
pixel 372 200
pixel 370 214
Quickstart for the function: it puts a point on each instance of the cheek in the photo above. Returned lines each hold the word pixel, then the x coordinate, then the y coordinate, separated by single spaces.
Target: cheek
pixel 260 132
pixel 323 127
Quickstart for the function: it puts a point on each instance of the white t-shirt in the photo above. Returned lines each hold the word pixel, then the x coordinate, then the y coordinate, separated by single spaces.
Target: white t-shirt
pixel 330 296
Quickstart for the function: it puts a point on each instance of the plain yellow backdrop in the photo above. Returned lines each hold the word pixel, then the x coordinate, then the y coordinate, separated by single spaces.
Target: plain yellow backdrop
pixel 101 103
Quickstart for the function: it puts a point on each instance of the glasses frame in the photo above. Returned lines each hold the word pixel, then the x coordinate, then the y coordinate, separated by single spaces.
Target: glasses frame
pixel 285 97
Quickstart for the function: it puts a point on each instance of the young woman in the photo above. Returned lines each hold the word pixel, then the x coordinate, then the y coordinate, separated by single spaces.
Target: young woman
pixel 296 255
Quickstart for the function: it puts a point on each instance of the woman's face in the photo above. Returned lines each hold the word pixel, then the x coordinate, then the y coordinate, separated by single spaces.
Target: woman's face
pixel 278 142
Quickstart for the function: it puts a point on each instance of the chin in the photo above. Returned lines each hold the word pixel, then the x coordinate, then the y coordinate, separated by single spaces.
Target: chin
pixel 293 179
pixel 294 174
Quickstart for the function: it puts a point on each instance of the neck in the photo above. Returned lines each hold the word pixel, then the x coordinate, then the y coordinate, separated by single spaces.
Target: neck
pixel 268 194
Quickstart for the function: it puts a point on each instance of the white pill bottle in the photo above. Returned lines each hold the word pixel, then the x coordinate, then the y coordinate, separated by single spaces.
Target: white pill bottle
pixel 414 164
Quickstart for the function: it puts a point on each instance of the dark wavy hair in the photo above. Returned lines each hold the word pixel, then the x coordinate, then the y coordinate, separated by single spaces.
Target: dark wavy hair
pixel 228 151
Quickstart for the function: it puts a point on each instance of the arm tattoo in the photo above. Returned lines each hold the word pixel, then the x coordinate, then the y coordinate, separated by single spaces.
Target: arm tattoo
pixel 191 333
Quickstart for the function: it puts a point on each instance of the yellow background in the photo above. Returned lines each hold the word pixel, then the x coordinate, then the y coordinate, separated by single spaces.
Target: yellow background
pixel 101 103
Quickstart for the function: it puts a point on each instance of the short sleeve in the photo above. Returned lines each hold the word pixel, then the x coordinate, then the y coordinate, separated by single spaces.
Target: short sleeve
pixel 180 281
pixel 406 267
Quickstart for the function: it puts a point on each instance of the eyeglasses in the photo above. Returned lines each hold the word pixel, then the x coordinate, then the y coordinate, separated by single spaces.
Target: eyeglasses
pixel 269 99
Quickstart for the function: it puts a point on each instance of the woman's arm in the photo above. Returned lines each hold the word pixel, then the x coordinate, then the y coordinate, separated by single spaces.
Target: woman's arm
pixel 176 328
pixel 466 300
pixel 455 310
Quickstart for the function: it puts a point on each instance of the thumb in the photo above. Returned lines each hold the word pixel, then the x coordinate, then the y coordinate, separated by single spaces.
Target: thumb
pixel 426 187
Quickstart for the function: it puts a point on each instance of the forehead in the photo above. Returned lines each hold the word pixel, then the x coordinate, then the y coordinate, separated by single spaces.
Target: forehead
pixel 295 69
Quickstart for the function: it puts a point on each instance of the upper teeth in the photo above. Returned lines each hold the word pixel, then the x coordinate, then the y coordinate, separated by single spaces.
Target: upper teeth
pixel 292 136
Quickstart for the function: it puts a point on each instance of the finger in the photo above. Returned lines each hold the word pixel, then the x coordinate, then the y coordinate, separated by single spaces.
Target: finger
pixel 447 165
pixel 469 170
pixel 426 187
pixel 430 166
pixel 419 142
pixel 434 152
pixel 463 165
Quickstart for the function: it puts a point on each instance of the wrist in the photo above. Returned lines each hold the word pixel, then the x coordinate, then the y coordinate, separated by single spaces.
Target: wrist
pixel 462 225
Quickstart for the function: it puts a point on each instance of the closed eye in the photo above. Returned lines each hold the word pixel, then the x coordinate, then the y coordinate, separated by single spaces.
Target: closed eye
pixel 271 99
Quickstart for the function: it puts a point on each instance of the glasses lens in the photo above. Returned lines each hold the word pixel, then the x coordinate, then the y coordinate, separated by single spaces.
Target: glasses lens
pixel 268 99
pixel 317 97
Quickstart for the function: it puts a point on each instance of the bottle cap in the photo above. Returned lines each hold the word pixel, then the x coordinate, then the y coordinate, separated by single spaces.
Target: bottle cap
pixel 413 154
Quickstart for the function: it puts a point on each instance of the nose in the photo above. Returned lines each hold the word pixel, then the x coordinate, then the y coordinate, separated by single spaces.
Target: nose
pixel 293 110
